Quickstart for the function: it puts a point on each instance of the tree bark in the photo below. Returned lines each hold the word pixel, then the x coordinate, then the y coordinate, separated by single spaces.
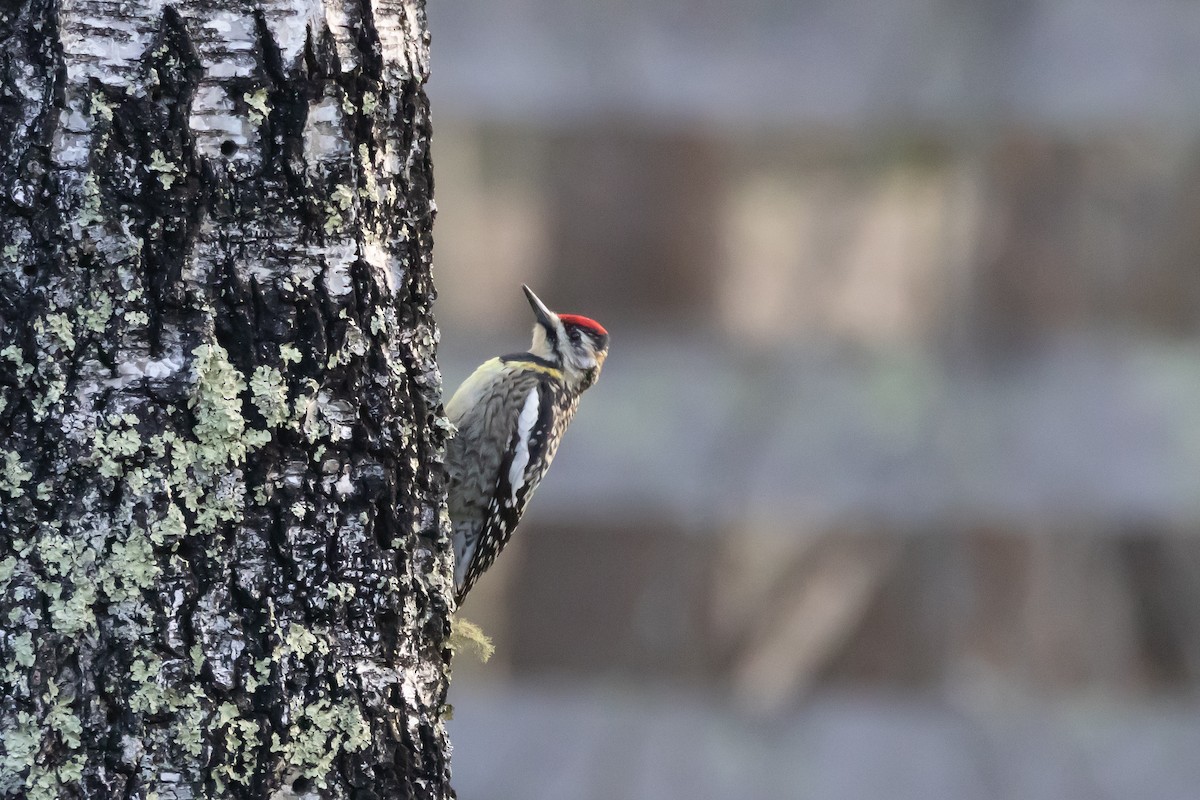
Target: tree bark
pixel 223 567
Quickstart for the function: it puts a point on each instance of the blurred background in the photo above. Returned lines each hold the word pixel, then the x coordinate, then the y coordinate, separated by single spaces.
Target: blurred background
pixel 890 486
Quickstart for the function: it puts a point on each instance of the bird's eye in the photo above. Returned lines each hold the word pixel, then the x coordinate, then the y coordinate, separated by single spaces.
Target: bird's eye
pixel 575 338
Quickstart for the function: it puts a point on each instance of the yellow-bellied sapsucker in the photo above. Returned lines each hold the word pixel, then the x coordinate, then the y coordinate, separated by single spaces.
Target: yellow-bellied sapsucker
pixel 510 415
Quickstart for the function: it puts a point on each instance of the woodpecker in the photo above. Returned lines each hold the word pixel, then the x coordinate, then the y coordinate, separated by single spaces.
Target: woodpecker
pixel 511 414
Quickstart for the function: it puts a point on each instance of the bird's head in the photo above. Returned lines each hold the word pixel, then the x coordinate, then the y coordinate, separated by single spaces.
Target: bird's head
pixel 575 344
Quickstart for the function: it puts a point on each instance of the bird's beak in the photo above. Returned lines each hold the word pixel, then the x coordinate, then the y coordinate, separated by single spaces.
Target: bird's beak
pixel 545 317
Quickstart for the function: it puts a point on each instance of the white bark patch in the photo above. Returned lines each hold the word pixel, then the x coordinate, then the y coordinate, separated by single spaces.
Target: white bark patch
pixel 289 22
pixel 344 28
pixel 236 37
pixel 73 137
pixel 131 750
pixel 294 475
pixel 383 261
pixel 122 246
pixel 339 256
pixel 214 121
pixel 102 45
pixel 340 415
pixel 30 89
pixel 324 137
pixel 175 621
pixel 136 368
pixel 224 40
pixel 268 258
pixel 393 163
pixel 395 22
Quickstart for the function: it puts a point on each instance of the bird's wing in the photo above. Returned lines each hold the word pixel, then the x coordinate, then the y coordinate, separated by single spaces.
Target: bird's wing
pixel 521 468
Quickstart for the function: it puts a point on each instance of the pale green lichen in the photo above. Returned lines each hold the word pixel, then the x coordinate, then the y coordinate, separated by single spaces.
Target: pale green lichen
pixel 71 771
pixel 96 313
pixel 61 718
pixel 289 354
pixel 165 169
pixel 21 743
pixel 157 445
pixel 241 742
pixel 306 416
pixel 148 697
pixel 72 615
pixel 300 641
pixel 111 448
pixel 343 197
pixel 369 102
pixel 89 213
pixel 137 479
pixel 15 475
pixel 113 559
pixel 8 568
pixel 137 318
pixel 226 713
pixel 189 732
pixel 258 105
pixel 130 567
pixel 100 106
pixel 22 646
pixel 353 344
pixel 270 395
pixel 333 223
pixel 340 591
pixel 321 731
pixel 220 428
pixel 370 188
pixel 61 555
pixel 60 327
pixel 217 503
pixel 170 527
pixel 259 674
pixel 53 387
pixel 13 354
pixel 196 654
pixel 204 471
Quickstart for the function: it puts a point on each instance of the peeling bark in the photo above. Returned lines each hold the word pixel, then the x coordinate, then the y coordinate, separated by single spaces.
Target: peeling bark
pixel 223 566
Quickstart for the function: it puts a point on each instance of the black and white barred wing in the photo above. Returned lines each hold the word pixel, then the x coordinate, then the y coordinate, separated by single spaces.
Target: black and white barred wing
pixel 525 461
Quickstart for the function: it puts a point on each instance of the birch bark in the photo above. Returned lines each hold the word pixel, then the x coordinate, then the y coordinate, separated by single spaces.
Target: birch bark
pixel 223 568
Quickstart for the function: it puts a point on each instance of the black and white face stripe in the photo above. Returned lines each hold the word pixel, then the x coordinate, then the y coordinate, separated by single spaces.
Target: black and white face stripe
pixel 576 344
pixel 579 338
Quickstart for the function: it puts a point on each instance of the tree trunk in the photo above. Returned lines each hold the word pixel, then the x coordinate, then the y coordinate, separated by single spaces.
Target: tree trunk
pixel 223 569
